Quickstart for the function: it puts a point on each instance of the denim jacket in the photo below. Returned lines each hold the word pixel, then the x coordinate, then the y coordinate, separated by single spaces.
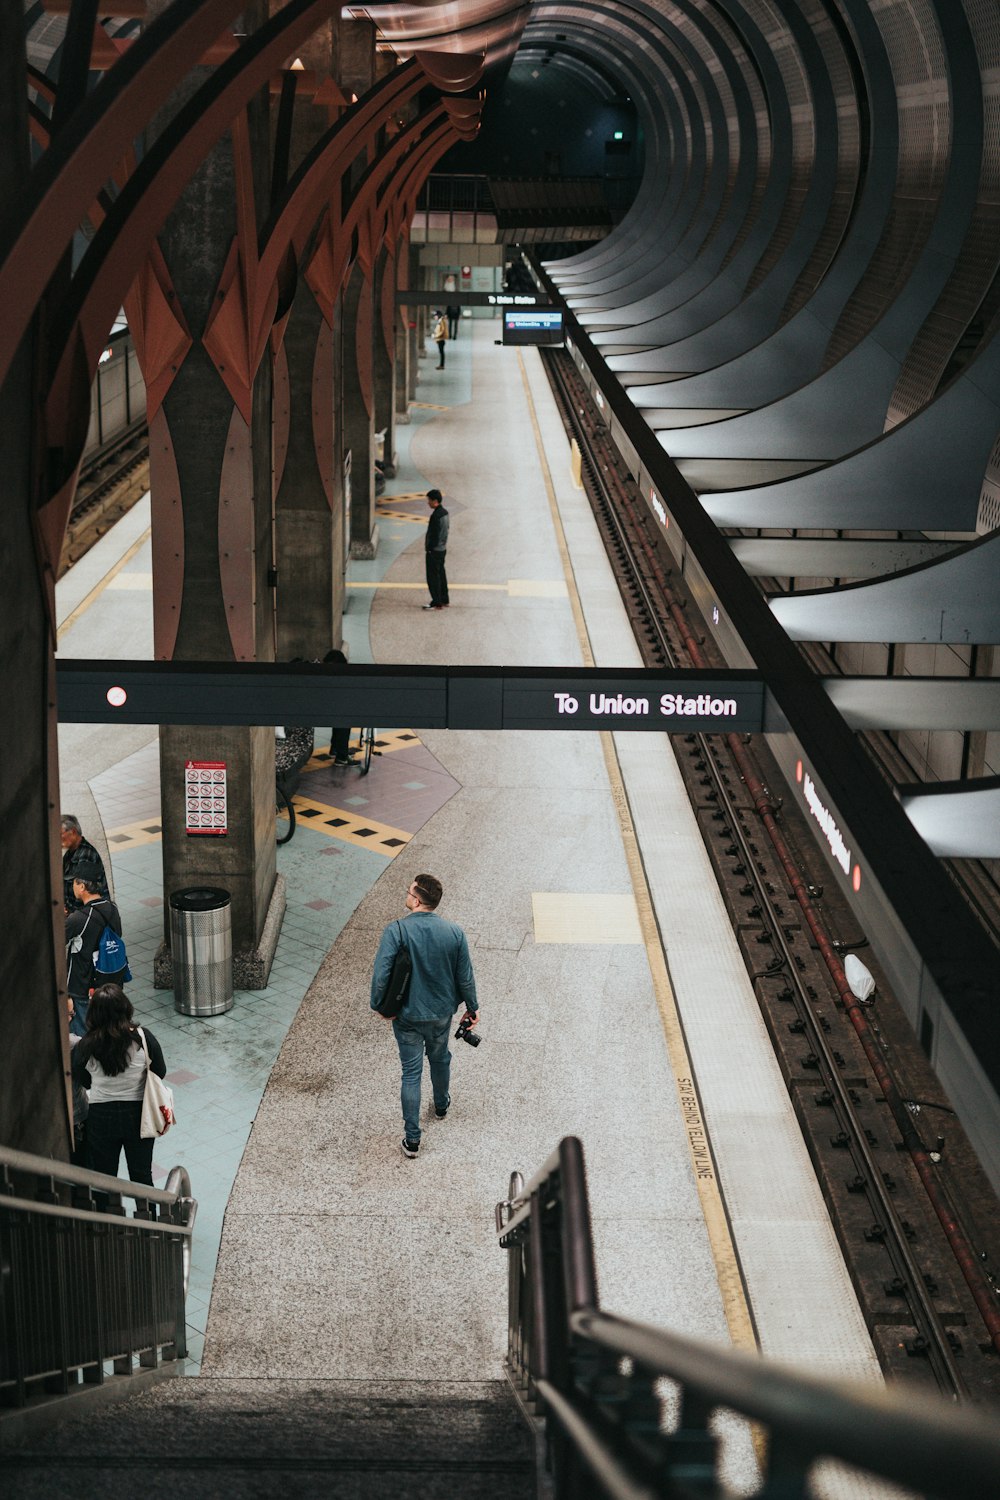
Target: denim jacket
pixel 442 978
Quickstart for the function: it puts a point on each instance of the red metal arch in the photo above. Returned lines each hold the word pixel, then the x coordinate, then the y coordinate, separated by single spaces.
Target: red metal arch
pixel 35 231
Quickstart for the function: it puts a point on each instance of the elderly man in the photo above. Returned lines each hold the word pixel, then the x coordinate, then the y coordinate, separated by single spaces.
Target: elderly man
pixel 81 861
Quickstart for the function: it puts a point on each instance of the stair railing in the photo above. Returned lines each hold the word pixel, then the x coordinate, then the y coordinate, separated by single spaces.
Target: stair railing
pixel 85 1289
pixel 591 1385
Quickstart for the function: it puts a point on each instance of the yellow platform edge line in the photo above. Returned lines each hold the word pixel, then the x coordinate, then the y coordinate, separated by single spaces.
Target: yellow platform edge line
pixel 732 1288
pixel 98 589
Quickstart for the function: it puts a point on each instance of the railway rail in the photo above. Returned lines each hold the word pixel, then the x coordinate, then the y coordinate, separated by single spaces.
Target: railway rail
pixel 917 1220
pixel 112 479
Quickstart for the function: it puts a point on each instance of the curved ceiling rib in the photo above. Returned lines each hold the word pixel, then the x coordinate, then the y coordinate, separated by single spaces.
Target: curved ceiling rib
pixel 803 302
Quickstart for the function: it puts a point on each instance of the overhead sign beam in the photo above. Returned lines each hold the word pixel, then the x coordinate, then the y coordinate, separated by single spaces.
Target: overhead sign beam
pixel 421 697
pixel 408 298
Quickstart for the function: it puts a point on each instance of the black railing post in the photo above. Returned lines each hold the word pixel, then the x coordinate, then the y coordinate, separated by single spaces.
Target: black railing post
pixel 691 1447
pixel 92 1341
pixel 539 1353
pixel 580 1273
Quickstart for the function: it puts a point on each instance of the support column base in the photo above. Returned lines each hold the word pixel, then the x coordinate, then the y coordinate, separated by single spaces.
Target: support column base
pixel 251 966
pixel 362 551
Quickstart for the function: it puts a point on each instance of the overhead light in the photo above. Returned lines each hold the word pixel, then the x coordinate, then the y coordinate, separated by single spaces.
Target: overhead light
pixel 619 135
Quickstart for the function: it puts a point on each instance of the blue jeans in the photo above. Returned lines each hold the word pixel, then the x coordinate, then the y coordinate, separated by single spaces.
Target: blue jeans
pixel 413 1038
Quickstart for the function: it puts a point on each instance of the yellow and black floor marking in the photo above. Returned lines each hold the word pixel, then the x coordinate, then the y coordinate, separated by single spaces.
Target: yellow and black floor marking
pixel 399 515
pixel 385 743
pixel 430 406
pixel 339 823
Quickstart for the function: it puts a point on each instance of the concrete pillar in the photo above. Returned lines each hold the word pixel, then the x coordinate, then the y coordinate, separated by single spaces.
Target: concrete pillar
pixel 404 317
pixel 359 408
pixel 213 595
pixel 384 355
pixel 309 514
pixel 414 339
pixel 34 1063
pixel 309 458
pixel 357 55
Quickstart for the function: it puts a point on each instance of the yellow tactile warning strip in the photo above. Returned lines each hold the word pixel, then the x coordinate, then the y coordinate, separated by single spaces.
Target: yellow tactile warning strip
pixel 381 584
pixel 514 588
pixel 131 835
pixel 727 1266
pixel 132 581
pixel 340 823
pixel 537 588
pixel 429 406
pixel 98 589
pixel 571 917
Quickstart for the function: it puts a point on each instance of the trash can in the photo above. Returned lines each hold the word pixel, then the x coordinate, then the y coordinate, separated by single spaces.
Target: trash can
pixel 201 947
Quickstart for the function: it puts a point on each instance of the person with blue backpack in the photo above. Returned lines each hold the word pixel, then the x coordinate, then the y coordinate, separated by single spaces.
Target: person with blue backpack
pixel 95 948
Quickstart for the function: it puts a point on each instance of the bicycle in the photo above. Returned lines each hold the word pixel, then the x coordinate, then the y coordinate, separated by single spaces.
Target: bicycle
pixel 284 808
pixel 366 749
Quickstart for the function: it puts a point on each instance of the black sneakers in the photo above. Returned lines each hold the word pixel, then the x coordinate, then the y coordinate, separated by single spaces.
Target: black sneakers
pixel 441 1113
pixel 409 1148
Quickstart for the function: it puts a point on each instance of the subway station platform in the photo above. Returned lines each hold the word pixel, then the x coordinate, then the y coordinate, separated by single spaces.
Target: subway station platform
pixel 615 1004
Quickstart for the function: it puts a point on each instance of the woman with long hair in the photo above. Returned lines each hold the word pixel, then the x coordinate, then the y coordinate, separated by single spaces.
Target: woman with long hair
pixel 109 1061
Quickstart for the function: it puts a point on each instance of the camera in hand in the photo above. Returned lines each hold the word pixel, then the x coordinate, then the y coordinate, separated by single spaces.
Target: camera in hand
pixel 466 1034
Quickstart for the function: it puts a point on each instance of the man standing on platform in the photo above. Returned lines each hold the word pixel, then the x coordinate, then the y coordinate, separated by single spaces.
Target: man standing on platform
pixel 440 336
pixel 84 924
pixel 435 547
pixel 441 980
pixel 81 861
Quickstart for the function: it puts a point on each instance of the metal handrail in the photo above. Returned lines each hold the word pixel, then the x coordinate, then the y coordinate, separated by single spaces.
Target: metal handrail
pixel 592 1376
pixel 86 1287
pixel 179 1182
pixel 64 1171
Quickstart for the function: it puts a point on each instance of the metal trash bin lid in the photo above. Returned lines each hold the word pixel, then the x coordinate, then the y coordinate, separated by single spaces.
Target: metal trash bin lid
pixel 200 898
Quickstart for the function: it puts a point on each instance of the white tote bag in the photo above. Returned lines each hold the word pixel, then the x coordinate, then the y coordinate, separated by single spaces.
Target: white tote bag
pixel 157 1101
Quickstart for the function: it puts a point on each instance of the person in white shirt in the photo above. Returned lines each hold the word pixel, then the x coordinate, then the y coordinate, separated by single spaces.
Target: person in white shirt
pixel 110 1063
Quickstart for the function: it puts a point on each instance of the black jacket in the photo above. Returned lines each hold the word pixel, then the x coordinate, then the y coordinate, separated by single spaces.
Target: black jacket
pixel 437 530
pixel 86 924
pixel 82 863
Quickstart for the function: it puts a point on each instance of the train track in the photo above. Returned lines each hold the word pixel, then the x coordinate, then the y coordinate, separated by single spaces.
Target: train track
pixel 111 482
pixel 917 1220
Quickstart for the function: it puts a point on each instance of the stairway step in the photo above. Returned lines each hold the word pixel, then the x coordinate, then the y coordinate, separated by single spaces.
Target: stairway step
pixel 353 1439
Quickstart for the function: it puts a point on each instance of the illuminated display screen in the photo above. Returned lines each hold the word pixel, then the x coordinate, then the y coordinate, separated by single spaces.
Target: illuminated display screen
pixel 539 325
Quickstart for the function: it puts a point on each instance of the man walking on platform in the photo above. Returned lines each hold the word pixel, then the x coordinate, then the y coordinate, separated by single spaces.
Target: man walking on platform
pixel 435 547
pixel 440 981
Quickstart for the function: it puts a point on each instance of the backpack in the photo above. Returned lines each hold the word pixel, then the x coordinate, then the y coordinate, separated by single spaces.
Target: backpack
pixel 109 955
